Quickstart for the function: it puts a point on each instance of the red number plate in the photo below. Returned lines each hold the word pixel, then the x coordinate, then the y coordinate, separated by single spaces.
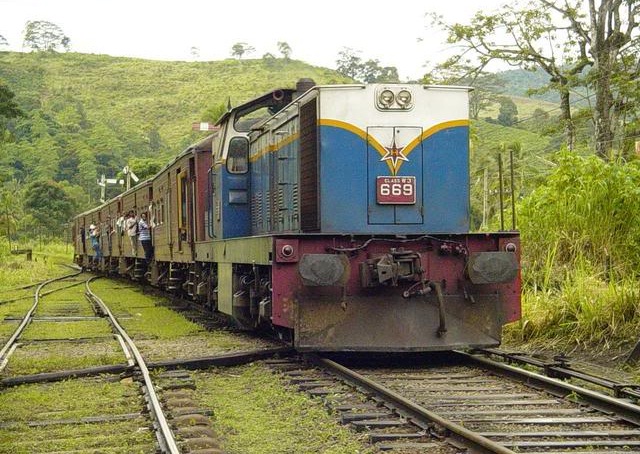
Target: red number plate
pixel 396 190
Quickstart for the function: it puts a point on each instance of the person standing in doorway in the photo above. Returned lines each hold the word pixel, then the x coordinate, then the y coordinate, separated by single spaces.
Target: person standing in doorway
pixel 131 227
pixel 94 235
pixel 144 235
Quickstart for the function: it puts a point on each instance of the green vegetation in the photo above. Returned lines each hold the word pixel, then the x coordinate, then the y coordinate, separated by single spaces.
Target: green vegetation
pixel 572 45
pixel 161 333
pixel 147 317
pixel 14 309
pixel 16 271
pixel 73 400
pixel 581 242
pixel 48 346
pixel 67 330
pixel 256 413
pixel 43 357
pixel 63 303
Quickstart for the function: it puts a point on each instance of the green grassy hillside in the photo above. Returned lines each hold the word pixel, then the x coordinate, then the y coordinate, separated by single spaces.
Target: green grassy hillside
pixel 137 95
pixel 87 115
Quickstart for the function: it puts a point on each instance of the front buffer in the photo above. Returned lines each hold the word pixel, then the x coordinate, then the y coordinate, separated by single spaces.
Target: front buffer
pixel 425 293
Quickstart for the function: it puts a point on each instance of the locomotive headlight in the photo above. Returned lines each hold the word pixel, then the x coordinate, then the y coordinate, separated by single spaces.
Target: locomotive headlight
pixel 404 98
pixel 386 98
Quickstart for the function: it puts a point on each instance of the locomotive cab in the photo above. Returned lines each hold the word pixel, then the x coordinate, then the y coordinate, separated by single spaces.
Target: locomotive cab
pixel 230 178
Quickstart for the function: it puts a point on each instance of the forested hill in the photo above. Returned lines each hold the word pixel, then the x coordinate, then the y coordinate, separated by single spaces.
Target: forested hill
pixel 86 114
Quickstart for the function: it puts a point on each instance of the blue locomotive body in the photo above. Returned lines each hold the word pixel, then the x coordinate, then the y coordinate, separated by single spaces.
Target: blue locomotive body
pixel 337 214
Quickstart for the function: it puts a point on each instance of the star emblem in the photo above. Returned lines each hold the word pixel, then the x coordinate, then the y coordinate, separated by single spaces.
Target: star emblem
pixel 395 155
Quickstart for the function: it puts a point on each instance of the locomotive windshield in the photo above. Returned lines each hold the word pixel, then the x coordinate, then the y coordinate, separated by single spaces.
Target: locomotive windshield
pixel 238 157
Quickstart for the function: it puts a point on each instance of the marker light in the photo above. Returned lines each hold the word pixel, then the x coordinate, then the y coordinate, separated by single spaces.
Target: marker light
pixel 404 98
pixel 386 98
pixel 287 250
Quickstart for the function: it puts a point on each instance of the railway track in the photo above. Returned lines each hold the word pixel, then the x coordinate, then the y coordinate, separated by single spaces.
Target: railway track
pixel 468 402
pixel 164 434
pixel 133 407
pixel 153 416
pixel 11 344
pixel 458 402
pixel 69 415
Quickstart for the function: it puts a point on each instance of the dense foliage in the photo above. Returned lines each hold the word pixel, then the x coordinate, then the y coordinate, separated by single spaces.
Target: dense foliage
pixel 578 44
pixel 581 252
pixel 587 208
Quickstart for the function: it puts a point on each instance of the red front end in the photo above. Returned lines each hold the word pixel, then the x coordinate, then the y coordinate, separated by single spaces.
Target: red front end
pixel 422 293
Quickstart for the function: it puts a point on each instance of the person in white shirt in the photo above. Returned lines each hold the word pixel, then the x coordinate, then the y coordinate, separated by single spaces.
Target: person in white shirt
pixel 131 227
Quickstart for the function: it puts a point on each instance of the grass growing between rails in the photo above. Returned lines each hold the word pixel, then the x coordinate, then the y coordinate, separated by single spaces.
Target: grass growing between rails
pixel 41 357
pixel 147 318
pixel 73 400
pixel 162 333
pixel 48 345
pixel 581 256
pixel 256 414
pixel 67 330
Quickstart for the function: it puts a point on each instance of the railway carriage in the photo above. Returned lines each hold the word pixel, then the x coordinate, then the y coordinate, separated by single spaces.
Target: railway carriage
pixel 178 215
pixel 338 216
pixel 107 217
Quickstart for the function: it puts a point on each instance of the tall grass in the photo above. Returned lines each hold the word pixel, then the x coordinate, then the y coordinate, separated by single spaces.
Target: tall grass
pixel 581 253
pixel 46 262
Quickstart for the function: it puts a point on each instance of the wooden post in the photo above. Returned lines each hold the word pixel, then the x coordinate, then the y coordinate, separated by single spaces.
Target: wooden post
pixel 485 196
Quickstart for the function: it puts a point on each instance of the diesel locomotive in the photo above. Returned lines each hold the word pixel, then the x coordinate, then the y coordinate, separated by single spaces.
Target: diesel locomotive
pixel 336 215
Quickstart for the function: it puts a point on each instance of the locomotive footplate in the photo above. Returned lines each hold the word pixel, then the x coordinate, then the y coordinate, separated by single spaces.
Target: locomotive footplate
pixel 388 322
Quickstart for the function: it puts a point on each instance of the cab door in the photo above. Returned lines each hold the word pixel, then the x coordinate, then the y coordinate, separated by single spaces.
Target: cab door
pixel 234 193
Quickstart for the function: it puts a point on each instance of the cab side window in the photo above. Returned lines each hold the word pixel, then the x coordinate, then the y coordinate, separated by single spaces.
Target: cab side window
pixel 238 155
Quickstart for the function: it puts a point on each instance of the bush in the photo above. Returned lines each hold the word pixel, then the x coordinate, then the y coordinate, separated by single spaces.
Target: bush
pixel 588 208
pixel 581 244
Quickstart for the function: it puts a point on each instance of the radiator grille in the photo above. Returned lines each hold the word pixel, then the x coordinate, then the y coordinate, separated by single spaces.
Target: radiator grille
pixel 309 216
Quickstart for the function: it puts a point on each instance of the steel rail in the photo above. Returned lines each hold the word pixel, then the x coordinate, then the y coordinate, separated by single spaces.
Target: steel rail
pixel 620 407
pixel 475 442
pixel 560 368
pixel 206 362
pixel 29 315
pixel 41 294
pixel 166 438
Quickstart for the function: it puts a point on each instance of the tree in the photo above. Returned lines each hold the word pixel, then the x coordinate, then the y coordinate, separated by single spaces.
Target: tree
pixel 11 211
pixel 3 41
pixel 154 139
pixel 350 65
pixel 195 52
pixel 508 114
pixel 146 167
pixel 213 113
pixel 239 49
pixel 568 40
pixel 284 49
pixel 45 37
pixel 486 85
pixel 48 204
pixel 606 34
pixel 372 72
pixel 8 107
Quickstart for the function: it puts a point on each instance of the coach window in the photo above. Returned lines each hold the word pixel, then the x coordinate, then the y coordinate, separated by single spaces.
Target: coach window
pixel 238 156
